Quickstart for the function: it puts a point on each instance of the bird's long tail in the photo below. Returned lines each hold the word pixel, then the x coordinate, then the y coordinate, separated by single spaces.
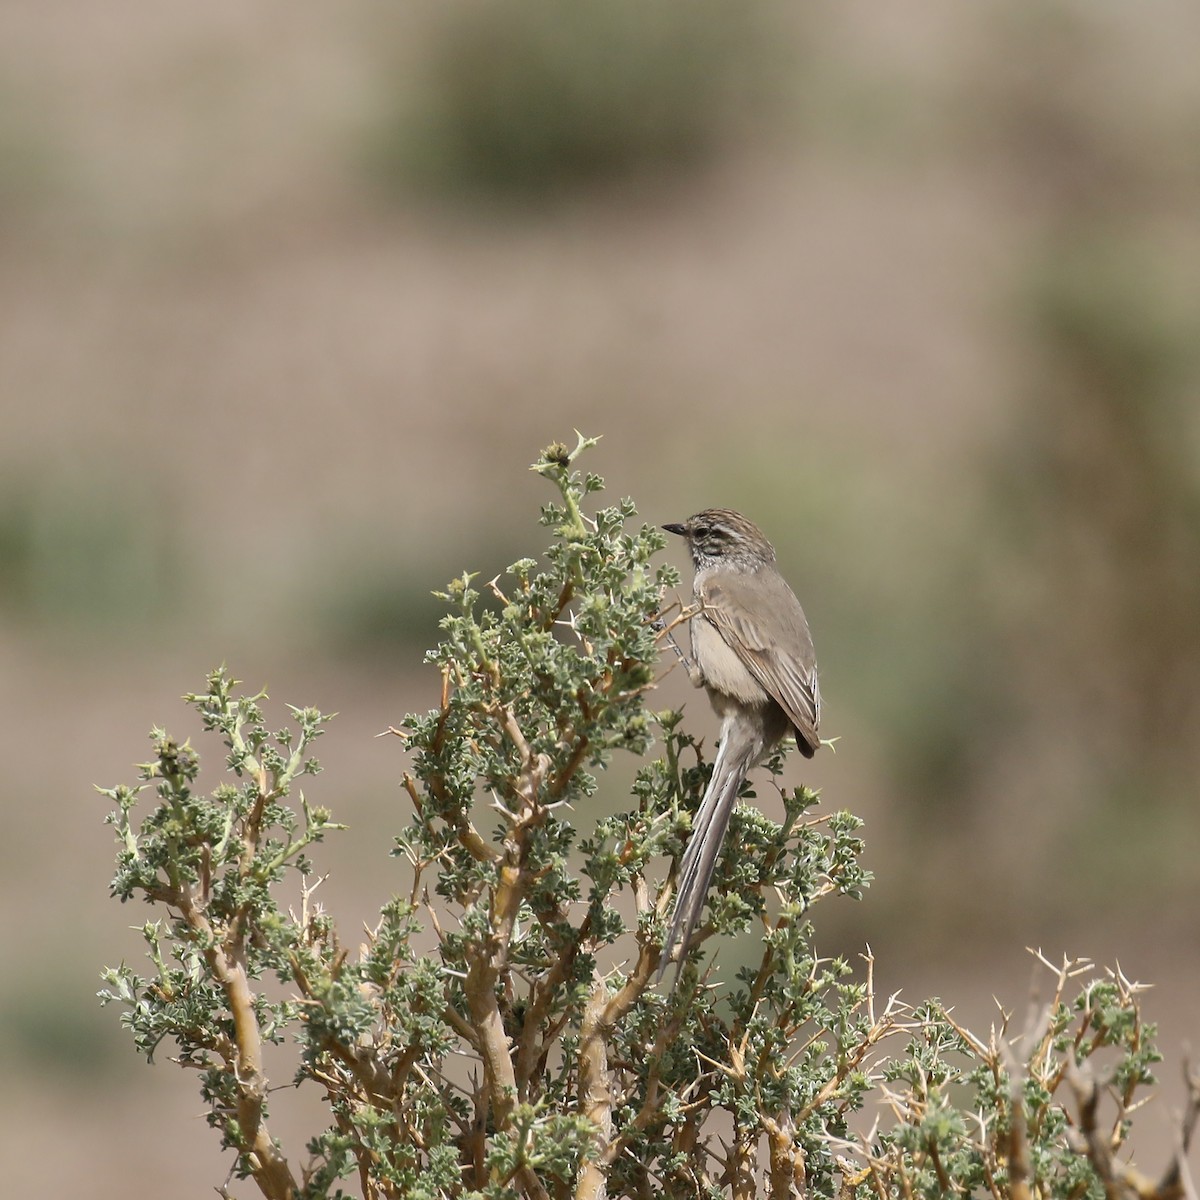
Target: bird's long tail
pixel 732 764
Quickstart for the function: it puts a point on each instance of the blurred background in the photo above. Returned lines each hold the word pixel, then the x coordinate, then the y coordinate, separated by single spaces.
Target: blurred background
pixel 290 297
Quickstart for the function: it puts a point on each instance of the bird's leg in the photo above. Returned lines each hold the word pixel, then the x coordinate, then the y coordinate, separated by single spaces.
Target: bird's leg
pixel 694 674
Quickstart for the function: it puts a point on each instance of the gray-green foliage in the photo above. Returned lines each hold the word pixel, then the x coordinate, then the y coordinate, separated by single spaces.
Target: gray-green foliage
pixel 499 1034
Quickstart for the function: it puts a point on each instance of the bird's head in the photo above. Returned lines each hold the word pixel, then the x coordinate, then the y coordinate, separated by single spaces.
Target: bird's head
pixel 721 536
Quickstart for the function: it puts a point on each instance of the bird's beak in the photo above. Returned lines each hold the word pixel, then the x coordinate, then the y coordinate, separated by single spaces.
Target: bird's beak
pixel 675 527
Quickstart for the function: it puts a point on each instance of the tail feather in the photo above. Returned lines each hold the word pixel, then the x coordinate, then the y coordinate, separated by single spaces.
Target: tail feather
pixel 700 859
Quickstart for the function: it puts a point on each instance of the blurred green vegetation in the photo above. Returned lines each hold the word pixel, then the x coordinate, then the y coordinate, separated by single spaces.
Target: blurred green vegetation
pixel 1100 485
pixel 87 554
pixel 26 157
pixel 536 97
pixel 48 1024
pixel 1095 488
pixel 374 604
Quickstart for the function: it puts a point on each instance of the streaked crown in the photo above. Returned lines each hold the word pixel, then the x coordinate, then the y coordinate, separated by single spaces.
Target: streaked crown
pixel 721 535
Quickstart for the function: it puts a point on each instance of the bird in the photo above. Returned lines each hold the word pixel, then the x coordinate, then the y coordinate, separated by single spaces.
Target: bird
pixel 753 654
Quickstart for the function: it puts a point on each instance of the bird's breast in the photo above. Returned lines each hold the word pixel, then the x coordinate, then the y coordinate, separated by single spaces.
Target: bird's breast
pixel 724 673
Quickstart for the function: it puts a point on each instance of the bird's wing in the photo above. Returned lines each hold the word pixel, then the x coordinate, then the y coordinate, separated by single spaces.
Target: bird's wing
pixel 782 660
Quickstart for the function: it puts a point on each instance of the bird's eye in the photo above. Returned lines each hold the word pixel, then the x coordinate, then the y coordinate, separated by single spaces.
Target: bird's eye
pixel 702 531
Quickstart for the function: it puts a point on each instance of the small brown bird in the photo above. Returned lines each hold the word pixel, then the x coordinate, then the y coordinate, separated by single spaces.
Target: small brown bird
pixel 753 654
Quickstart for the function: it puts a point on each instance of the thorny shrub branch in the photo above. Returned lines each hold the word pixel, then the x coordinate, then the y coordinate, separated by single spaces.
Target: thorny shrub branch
pixel 498 1036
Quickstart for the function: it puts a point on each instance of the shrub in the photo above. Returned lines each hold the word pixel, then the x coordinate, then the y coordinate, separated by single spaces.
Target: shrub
pixel 528 1053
